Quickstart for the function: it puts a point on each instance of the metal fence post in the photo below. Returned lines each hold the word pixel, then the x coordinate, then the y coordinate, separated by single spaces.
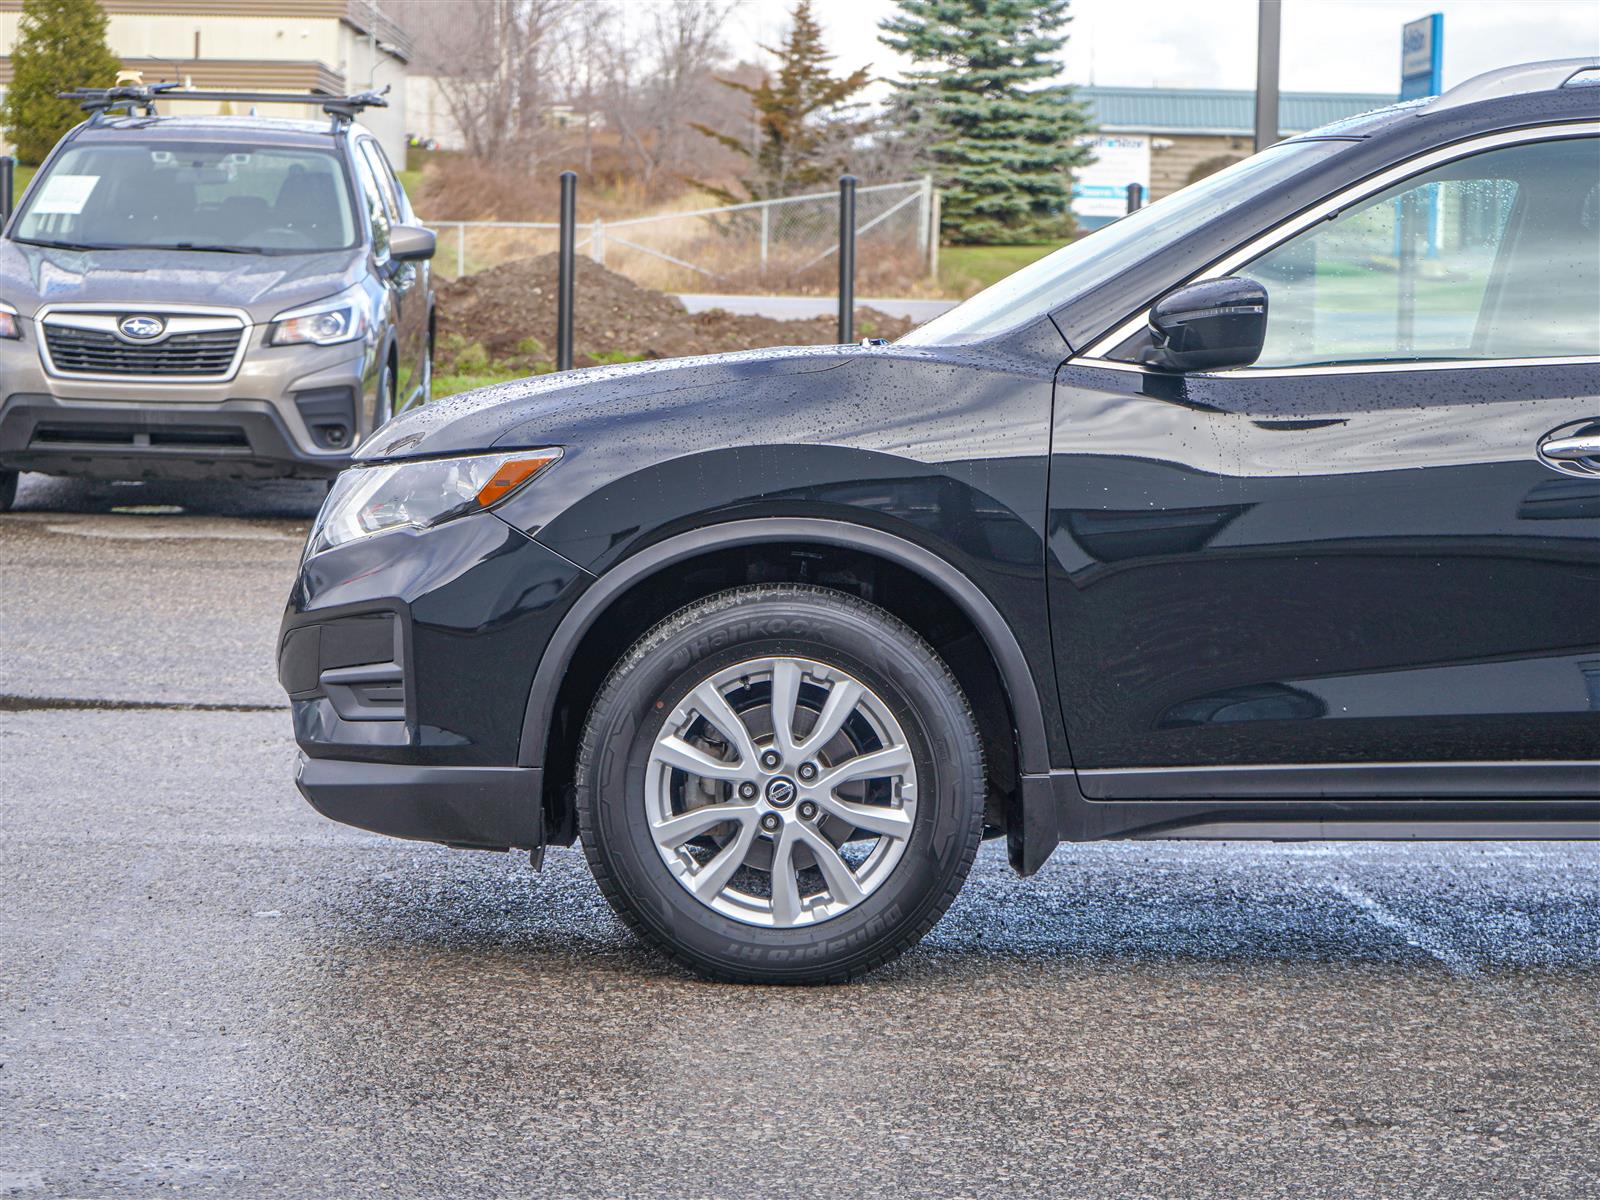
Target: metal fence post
pixel 934 223
pixel 766 233
pixel 597 241
pixel 461 249
pixel 924 214
pixel 1135 197
pixel 568 264
pixel 8 185
pixel 847 258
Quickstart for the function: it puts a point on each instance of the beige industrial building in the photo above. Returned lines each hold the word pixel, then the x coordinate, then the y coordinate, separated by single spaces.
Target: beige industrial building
pixel 1165 138
pixel 334 46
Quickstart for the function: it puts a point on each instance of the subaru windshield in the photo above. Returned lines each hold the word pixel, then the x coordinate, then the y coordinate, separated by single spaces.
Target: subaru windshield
pixel 1079 267
pixel 171 195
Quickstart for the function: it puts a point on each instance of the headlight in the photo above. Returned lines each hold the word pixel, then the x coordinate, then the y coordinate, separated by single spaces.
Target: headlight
pixel 8 321
pixel 367 500
pixel 341 318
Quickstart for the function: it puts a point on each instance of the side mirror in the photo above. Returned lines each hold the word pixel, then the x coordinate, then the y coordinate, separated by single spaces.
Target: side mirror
pixel 1208 325
pixel 410 243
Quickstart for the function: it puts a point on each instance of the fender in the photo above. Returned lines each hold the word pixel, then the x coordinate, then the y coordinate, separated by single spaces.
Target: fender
pixel 1032 746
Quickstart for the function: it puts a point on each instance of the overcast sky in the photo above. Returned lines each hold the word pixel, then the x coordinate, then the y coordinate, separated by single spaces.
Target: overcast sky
pixel 1328 45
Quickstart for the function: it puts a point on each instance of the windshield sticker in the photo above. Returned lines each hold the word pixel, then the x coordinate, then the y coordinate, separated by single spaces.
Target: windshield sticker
pixel 65 194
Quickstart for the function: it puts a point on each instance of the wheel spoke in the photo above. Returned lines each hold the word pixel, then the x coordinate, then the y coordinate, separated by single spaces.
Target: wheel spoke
pixel 785 699
pixel 712 876
pixel 714 708
pixel 836 709
pixel 785 883
pixel 706 753
pixel 675 831
pixel 874 818
pixel 841 880
pixel 892 760
pixel 676 752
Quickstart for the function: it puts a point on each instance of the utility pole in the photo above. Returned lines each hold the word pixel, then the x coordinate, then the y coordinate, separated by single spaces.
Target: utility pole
pixel 1269 21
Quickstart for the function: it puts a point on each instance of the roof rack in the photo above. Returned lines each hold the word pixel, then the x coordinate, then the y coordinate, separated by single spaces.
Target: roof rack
pixel 1518 80
pixel 101 102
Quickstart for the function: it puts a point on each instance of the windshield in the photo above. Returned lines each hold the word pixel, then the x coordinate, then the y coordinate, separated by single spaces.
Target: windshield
pixel 1080 266
pixel 193 196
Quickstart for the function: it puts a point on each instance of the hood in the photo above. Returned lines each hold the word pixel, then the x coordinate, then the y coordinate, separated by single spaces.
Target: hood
pixel 262 284
pixel 546 409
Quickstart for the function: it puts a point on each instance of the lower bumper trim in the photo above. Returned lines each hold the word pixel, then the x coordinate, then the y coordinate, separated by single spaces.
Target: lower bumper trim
pixel 488 808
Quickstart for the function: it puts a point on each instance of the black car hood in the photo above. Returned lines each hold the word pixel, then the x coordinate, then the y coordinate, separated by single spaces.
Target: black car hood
pixel 261 284
pixel 561 409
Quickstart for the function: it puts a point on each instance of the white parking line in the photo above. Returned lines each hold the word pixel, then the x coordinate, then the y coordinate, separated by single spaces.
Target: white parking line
pixel 1414 934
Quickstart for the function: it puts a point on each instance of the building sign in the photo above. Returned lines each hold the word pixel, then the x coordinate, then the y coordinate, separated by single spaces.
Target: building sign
pixel 1101 188
pixel 1422 57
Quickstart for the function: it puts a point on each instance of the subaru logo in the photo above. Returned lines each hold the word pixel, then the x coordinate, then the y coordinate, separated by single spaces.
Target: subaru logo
pixel 141 329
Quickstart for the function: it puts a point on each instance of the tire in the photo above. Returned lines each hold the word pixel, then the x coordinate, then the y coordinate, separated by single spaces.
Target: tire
pixel 383 410
pixel 427 371
pixel 860 894
pixel 8 490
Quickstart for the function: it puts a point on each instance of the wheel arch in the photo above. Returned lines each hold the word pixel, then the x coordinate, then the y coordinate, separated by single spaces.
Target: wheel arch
pixel 1027 753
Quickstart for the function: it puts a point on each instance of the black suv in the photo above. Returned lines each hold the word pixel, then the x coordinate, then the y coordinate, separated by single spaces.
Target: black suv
pixel 1270 511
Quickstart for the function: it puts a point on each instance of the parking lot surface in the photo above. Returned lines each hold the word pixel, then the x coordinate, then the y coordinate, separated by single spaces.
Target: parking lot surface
pixel 208 990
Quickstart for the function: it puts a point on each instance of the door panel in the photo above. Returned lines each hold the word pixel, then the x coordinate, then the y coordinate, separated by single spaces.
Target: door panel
pixel 1338 567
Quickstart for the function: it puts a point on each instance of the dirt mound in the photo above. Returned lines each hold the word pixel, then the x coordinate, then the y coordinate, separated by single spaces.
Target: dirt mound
pixel 506 316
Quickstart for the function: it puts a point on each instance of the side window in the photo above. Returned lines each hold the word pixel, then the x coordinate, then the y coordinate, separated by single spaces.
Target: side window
pixel 1493 256
pixel 394 195
pixel 377 210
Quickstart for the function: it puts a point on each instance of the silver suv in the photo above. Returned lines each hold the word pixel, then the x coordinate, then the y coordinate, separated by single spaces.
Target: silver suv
pixel 209 297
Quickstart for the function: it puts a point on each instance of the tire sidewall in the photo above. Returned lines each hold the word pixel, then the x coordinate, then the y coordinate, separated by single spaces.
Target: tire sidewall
pixel 906 677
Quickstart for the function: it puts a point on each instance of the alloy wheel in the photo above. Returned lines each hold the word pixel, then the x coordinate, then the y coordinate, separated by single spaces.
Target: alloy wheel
pixel 781 792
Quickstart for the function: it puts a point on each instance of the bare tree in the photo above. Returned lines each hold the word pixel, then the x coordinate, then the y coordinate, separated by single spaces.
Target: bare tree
pixel 658 80
pixel 496 66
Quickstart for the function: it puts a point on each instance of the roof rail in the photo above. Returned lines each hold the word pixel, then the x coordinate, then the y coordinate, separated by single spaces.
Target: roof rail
pixel 100 102
pixel 1516 81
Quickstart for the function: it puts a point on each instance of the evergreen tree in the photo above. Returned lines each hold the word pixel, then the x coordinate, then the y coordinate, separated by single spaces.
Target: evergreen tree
pixel 1004 145
pixel 61 45
pixel 804 121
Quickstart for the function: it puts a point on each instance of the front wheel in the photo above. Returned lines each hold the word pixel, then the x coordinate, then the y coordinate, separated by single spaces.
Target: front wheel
pixel 8 490
pixel 781 784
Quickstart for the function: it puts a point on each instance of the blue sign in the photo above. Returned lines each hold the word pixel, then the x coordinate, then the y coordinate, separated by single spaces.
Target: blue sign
pixel 1422 57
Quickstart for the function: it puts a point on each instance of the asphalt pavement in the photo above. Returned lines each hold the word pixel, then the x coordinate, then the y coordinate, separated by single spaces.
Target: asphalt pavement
pixel 208 990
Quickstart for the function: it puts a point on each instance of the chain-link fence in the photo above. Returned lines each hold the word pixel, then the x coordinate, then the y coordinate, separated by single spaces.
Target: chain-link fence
pixel 786 245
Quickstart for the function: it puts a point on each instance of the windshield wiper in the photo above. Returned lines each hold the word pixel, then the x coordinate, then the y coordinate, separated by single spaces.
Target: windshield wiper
pixel 63 245
pixel 205 249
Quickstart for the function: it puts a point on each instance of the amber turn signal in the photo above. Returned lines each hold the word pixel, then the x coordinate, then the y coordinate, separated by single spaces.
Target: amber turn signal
pixel 512 474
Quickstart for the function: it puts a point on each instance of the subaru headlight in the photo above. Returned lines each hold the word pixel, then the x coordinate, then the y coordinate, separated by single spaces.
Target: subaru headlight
pixel 420 494
pixel 341 318
pixel 9 325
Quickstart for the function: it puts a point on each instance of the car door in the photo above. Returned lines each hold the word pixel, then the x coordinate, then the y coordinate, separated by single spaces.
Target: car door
pixel 402 279
pixel 1353 568
pixel 415 277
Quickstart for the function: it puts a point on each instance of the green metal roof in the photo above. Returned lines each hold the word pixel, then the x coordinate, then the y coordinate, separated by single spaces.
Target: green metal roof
pixel 1215 110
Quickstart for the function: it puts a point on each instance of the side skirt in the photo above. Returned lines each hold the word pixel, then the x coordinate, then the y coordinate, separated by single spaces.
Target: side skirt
pixel 1474 813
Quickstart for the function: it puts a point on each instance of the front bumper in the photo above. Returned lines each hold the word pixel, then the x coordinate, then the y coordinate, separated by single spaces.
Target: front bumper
pixel 478 808
pixel 409 659
pixel 234 439
pixel 296 411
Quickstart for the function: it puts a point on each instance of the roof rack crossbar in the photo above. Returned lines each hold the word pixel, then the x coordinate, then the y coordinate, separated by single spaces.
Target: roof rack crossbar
pixel 99 102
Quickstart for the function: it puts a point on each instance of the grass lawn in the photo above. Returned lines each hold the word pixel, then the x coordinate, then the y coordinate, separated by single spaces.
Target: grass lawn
pixel 964 270
pixel 449 385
